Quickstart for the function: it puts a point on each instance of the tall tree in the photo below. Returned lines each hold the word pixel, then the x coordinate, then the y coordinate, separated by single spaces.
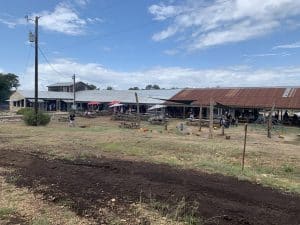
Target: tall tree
pixel 155 86
pixel 149 87
pixel 8 82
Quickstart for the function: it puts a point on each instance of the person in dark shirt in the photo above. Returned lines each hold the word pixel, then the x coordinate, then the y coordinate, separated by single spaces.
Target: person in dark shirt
pixel 72 119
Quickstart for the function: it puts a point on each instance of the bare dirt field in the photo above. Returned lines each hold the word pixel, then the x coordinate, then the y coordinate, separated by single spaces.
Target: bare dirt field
pixel 101 174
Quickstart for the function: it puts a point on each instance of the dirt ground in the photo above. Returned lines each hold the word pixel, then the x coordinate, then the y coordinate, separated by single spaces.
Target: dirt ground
pixel 97 173
pixel 91 187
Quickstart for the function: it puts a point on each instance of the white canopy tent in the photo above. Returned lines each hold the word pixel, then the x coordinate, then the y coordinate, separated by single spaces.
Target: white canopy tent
pixel 157 107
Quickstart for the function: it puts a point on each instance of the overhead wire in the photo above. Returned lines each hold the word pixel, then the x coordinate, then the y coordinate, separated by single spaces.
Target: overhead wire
pixel 48 62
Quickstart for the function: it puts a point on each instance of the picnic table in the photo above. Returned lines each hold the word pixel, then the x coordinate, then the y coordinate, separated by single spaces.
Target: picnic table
pixel 132 125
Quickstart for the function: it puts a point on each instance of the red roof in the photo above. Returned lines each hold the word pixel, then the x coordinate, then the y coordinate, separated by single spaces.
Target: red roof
pixel 284 98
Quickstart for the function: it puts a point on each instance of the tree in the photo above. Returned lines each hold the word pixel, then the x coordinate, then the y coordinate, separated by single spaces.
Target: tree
pixel 7 83
pixel 134 88
pixel 149 87
pixel 109 88
pixel 155 86
pixel 152 87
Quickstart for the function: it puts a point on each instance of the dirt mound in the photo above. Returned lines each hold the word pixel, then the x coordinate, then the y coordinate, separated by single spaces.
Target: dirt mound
pixel 91 185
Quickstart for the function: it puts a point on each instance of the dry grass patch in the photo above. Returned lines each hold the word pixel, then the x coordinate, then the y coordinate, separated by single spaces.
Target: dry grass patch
pixel 272 162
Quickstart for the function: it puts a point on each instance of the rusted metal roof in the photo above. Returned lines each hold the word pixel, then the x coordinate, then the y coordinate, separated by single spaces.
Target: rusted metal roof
pixel 283 98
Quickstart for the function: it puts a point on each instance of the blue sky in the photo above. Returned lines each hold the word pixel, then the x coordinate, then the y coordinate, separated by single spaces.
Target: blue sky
pixel 173 43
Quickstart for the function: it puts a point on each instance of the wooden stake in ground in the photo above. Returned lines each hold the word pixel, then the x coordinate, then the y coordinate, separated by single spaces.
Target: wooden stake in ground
pixel 245 142
pixel 223 132
pixel 270 121
pixel 211 119
pixel 200 118
pixel 137 109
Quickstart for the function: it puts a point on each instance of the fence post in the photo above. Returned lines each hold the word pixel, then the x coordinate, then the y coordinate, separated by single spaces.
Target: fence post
pixel 211 119
pixel 200 118
pixel 245 142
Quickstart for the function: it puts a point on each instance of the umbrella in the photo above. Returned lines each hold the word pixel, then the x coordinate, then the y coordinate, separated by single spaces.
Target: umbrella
pixel 115 105
pixel 114 102
pixel 156 107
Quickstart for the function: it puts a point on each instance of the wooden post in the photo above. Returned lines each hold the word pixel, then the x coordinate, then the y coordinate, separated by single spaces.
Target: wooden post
pixel 211 119
pixel 200 118
pixel 270 122
pixel 223 132
pixel 245 142
pixel 137 109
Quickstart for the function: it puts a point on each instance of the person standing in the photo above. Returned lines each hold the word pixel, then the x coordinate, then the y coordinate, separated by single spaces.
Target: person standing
pixel 72 119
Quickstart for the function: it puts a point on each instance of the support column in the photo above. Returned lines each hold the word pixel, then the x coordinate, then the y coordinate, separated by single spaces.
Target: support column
pixel 211 119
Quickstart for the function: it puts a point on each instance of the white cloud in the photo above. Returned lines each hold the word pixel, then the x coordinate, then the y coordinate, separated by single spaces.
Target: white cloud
pixel 163 12
pixel 283 54
pixel 82 2
pixel 288 46
pixel 166 77
pixel 8 23
pixel 95 20
pixel 208 23
pixel 63 19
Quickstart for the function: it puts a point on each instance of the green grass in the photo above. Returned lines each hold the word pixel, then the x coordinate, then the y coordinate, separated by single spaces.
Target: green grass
pixel 40 221
pixel 5 212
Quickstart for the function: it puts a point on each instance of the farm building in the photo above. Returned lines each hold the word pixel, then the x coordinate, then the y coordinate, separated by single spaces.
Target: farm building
pixel 244 103
pixel 68 87
pixel 98 99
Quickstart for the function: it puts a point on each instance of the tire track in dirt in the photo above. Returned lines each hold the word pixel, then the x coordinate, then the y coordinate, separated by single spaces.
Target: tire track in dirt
pixel 90 185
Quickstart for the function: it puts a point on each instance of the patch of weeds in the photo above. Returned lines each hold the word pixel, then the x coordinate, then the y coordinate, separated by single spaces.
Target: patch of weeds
pixel 40 221
pixel 216 166
pixel 192 220
pixel 5 212
pixel 65 202
pixel 13 179
pixel 287 168
pixel 163 208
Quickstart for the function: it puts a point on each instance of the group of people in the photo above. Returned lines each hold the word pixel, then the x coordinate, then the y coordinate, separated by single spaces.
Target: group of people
pixel 227 120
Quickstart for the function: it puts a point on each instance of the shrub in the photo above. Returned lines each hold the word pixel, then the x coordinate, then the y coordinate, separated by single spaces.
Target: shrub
pixel 23 111
pixel 30 118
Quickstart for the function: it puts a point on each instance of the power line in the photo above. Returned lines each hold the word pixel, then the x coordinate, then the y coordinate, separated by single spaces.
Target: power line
pixel 48 62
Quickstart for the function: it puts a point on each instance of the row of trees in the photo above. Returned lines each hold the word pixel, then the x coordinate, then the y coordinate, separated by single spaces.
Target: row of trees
pixel 8 82
pixel 148 87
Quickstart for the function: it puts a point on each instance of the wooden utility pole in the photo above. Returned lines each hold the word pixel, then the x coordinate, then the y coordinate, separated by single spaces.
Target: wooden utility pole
pixel 36 69
pixel 200 118
pixel 137 108
pixel 270 122
pixel 35 38
pixel 244 150
pixel 211 119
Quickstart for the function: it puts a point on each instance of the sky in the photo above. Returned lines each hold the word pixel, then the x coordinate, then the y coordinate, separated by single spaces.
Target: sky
pixel 172 43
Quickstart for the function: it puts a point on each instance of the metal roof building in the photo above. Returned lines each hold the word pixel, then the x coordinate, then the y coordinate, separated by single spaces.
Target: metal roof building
pixel 60 99
pixel 126 96
pixel 281 97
